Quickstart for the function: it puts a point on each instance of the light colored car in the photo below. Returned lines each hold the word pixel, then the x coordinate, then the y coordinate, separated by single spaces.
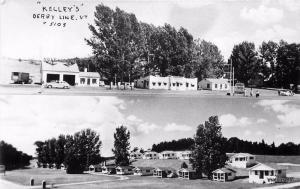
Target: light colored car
pixel 58 84
pixel 285 93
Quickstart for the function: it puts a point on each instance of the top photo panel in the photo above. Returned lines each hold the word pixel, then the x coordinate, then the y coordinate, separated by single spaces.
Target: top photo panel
pixel 222 48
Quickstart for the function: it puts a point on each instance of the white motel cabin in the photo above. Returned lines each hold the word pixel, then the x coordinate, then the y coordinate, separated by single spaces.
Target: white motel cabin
pixel 187 173
pixel 242 160
pixel 163 172
pixel 224 174
pixel 150 155
pixel 214 84
pixel 167 155
pixel 167 83
pixel 89 79
pixel 108 169
pixel 143 171
pixel 124 170
pixel 136 155
pixel 184 155
pixel 266 173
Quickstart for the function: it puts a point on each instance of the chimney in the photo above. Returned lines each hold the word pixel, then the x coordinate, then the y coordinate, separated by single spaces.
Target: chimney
pixel 85 69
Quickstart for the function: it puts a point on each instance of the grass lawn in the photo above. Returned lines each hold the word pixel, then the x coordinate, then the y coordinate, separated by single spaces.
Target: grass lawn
pixel 278 159
pixel 22 176
pixel 166 183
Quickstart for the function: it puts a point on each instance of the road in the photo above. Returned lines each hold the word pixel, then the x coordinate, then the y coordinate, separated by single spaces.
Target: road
pixel 92 91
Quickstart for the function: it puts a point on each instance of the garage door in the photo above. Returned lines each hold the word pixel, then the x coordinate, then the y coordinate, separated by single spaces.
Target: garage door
pixel 69 79
pixel 52 77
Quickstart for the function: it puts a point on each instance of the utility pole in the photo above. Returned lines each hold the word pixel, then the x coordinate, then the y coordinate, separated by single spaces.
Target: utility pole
pixel 233 78
pixel 230 76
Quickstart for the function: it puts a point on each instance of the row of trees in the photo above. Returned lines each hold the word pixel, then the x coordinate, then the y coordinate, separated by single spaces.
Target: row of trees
pixel 234 145
pixel 76 151
pixel 126 49
pixel 276 63
pixel 12 158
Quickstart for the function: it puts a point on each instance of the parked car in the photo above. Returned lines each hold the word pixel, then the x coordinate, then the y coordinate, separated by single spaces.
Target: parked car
pixel 285 93
pixel 21 77
pixel 239 88
pixel 58 84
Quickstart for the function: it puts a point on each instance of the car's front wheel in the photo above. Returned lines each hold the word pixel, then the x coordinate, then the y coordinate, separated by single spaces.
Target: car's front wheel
pixel 49 86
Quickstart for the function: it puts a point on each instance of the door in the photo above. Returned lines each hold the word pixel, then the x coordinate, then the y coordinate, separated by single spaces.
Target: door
pixel 70 79
pixel 261 174
pixel 88 81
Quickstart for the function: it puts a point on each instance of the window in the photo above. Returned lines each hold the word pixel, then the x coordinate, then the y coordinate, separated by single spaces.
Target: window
pixel 15 73
pixel 236 159
pixel 220 86
pixel 159 83
pixel 94 81
pixel 229 174
pixel 216 86
pixel 279 171
pixel 82 80
pixel 192 85
pixel 153 83
pixel 267 173
pixel 129 169
pixel 165 84
pixel 177 84
pixel 187 84
pixel 174 84
pixel 147 171
pixel 272 173
pixel 225 86
pixel 256 172
pixel 251 157
pixel 208 86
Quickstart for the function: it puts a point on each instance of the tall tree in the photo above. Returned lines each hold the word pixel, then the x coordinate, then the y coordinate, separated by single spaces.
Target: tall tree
pixel 268 56
pixel 82 149
pixel 209 149
pixel 288 65
pixel 245 62
pixel 121 145
pixel 60 149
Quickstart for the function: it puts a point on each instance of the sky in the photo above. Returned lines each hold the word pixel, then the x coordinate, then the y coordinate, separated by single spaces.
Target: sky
pixel 223 22
pixel 25 119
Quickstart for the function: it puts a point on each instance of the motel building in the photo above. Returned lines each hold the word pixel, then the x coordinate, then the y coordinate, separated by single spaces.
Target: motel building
pixel 167 83
pixel 108 169
pixel 89 79
pixel 135 155
pixel 124 170
pixel 186 155
pixel 167 155
pixel 214 84
pixel 60 71
pixel 242 160
pixel 224 174
pixel 266 173
pixel 95 168
pixel 163 172
pixel 187 173
pixel 150 155
pixel 143 171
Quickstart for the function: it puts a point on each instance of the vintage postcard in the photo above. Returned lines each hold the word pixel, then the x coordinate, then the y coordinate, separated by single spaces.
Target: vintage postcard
pixel 149 94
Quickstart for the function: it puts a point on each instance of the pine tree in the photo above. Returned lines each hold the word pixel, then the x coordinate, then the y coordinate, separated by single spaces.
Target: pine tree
pixel 121 146
pixel 209 149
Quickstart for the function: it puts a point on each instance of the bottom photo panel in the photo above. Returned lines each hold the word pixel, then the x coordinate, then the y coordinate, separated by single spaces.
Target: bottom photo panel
pixel 150 141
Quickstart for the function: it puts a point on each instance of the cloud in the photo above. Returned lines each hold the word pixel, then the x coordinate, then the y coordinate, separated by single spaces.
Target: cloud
pixel 133 118
pixel 276 33
pixel 175 127
pixel 262 15
pixel 291 5
pixel 286 113
pixel 26 119
pixel 247 132
pixel 260 133
pixel 229 120
pixel 147 127
pixel 261 120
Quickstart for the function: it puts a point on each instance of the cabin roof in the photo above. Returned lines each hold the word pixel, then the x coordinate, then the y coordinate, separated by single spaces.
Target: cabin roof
pixel 224 170
pixel 60 67
pixel 144 168
pixel 267 166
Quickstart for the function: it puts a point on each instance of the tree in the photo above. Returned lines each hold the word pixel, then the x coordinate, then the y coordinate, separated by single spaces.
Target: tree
pixel 183 165
pixel 121 146
pixel 288 65
pixel 268 57
pixel 82 149
pixel 209 149
pixel 207 60
pixel 60 149
pixel 245 62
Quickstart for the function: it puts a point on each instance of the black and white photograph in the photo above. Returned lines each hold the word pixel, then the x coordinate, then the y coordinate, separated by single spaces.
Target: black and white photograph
pixel 128 94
